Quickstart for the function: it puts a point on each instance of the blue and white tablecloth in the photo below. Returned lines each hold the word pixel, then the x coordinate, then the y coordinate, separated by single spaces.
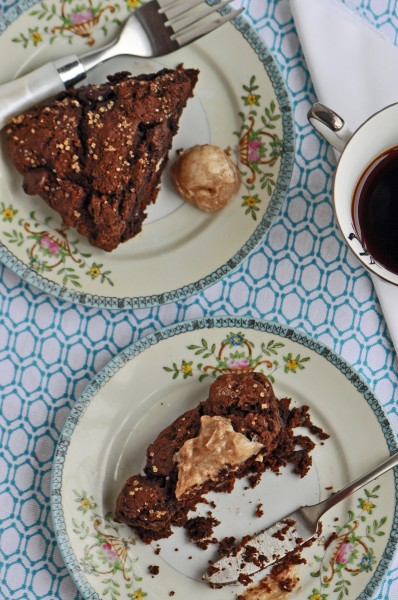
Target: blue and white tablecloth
pixel 301 275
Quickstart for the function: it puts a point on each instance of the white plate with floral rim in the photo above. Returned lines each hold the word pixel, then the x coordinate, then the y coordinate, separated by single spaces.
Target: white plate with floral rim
pixel 153 381
pixel 241 103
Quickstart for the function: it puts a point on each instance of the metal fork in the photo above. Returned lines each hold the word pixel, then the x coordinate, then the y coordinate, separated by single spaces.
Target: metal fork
pixel 157 28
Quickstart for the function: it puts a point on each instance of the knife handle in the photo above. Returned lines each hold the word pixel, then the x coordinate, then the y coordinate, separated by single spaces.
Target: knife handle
pixel 50 79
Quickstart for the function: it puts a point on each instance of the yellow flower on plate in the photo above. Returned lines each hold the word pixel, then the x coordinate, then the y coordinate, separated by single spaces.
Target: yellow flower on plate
pixel 133 3
pixel 94 271
pixel 139 594
pixel 8 213
pixel 251 200
pixel 291 364
pixel 252 100
pixel 186 367
pixel 85 504
pixel 368 506
pixel 36 37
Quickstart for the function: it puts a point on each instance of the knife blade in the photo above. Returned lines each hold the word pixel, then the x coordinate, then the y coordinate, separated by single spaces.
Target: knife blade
pixel 260 551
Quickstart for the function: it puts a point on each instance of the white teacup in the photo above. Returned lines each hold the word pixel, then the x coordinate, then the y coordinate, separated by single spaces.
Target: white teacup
pixel 359 150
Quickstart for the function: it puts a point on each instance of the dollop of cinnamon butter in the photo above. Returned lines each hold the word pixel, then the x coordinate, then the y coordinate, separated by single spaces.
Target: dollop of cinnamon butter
pixel 203 457
pixel 206 177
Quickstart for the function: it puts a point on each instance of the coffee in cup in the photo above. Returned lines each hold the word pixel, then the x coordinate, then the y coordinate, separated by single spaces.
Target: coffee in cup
pixel 365 186
pixel 375 209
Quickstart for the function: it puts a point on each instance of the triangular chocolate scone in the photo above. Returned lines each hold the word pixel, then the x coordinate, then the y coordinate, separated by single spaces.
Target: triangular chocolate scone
pixel 95 154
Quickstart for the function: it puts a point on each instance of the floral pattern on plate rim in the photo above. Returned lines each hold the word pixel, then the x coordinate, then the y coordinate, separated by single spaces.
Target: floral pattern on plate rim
pixel 48 248
pixel 73 18
pixel 348 550
pixel 237 354
pixel 106 553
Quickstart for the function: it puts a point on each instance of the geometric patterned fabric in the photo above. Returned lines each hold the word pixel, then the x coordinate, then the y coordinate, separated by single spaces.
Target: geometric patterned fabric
pixel 302 275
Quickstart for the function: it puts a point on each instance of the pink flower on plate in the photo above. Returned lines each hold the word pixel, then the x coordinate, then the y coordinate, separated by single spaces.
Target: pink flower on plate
pixel 238 363
pixel 110 553
pixel 343 554
pixel 254 155
pixel 82 16
pixel 46 242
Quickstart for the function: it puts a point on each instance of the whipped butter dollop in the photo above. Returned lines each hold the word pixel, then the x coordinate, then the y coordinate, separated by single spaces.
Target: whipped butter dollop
pixel 203 457
pixel 205 176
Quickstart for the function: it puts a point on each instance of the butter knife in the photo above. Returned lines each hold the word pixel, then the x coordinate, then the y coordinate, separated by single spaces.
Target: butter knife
pixel 284 536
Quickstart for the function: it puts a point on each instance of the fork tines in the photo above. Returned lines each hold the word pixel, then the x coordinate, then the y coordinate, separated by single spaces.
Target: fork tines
pixel 189 27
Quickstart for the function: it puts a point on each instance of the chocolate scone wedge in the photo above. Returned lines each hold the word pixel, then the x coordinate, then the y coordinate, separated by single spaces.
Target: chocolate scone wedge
pixel 240 430
pixel 96 154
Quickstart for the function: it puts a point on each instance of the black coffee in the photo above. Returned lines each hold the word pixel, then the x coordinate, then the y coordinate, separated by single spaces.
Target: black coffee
pixel 375 209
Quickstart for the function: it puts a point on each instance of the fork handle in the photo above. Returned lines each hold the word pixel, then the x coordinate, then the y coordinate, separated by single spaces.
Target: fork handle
pixel 321 508
pixel 48 80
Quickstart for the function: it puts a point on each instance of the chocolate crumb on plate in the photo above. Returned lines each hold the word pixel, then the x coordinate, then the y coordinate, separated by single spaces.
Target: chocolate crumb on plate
pixel 200 530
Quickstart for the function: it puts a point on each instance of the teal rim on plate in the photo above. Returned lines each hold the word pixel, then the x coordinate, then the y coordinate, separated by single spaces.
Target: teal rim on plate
pixel 69 293
pixel 213 323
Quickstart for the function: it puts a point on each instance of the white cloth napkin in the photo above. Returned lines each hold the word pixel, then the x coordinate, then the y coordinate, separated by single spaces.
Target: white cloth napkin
pixel 355 72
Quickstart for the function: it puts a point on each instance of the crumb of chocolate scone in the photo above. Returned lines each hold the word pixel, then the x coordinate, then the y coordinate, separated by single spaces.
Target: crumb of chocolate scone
pixel 240 430
pixel 244 579
pixel 171 593
pixel 251 555
pixel 226 545
pixel 153 569
pixel 212 569
pixel 200 530
pixel 95 154
pixel 288 524
pixel 259 510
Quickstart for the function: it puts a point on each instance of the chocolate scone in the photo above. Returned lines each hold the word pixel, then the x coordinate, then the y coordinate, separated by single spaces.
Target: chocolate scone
pixel 240 430
pixel 95 154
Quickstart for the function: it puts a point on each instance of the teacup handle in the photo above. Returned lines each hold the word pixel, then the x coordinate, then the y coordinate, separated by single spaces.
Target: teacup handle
pixel 329 125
